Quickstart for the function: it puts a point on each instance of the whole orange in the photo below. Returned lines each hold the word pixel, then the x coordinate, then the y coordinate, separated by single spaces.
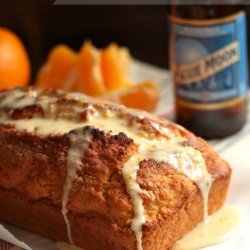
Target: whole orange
pixel 14 61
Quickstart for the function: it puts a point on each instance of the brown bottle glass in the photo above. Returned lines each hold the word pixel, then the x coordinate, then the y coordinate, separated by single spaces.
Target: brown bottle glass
pixel 206 118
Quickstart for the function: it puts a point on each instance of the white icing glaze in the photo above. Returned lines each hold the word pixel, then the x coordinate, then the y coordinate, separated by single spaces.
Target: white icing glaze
pixel 79 140
pixel 216 229
pixel 129 173
pixel 169 148
pixel 49 126
pixel 19 99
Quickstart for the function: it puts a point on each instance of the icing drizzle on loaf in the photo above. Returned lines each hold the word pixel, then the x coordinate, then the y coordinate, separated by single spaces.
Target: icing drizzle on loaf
pixel 79 139
pixel 69 113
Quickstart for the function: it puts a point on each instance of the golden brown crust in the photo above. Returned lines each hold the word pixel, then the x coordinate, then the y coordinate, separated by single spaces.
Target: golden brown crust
pixel 33 172
pixel 91 232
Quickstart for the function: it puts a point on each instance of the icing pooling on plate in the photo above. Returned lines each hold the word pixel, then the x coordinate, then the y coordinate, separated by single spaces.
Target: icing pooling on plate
pixel 165 147
pixel 216 229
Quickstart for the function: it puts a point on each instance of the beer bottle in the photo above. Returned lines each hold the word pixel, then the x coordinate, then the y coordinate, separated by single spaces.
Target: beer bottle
pixel 208 58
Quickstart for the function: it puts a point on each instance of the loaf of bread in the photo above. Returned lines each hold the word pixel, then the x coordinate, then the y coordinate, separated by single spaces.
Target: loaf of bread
pixel 101 176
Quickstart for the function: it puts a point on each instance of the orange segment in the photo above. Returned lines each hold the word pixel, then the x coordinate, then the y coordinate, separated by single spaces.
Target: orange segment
pixel 59 70
pixel 141 96
pixel 14 61
pixel 115 63
pixel 103 74
pixel 90 80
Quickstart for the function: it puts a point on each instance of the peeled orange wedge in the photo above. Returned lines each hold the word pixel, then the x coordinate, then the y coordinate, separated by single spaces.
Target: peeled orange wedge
pixel 140 96
pixel 90 79
pixel 100 73
pixel 59 72
pixel 115 63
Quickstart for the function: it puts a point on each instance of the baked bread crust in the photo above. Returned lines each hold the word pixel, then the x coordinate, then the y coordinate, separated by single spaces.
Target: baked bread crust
pixel 33 171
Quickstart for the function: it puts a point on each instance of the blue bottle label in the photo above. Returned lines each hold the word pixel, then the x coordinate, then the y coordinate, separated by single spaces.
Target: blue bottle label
pixel 209 59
